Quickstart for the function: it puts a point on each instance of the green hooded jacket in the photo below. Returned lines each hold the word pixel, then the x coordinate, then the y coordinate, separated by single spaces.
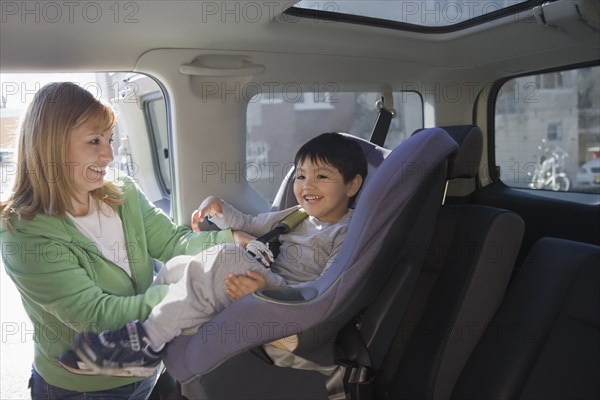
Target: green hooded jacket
pixel 67 286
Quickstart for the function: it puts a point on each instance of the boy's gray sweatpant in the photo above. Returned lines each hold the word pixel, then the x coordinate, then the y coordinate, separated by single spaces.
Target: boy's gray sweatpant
pixel 197 289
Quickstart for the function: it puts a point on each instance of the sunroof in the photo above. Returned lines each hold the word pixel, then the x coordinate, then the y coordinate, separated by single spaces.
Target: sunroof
pixel 425 15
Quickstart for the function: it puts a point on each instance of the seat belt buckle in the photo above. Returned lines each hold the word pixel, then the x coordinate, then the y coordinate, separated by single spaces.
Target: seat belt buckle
pixel 358 380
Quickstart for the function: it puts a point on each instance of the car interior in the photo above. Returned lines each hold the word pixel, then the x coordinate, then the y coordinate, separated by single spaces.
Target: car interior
pixel 471 266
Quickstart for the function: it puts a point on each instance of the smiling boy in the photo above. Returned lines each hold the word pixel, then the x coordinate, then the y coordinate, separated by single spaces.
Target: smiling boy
pixel 330 170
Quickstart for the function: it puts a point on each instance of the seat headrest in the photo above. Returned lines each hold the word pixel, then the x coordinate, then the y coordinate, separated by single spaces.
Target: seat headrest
pixel 373 153
pixel 465 163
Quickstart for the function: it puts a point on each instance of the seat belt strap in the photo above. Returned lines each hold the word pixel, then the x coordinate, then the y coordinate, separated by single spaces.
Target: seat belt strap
pixel 343 379
pixel 384 119
pixel 381 127
pixel 334 373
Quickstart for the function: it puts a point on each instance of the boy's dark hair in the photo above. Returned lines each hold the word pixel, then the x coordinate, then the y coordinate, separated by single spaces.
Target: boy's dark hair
pixel 332 148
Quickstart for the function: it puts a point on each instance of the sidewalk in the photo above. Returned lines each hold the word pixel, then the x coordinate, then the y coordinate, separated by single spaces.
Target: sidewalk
pixel 16 346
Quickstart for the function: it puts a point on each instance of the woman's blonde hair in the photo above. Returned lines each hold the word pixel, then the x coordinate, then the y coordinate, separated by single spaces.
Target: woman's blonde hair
pixel 42 183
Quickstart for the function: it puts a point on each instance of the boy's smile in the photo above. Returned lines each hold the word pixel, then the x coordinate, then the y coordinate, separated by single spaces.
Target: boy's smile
pixel 320 189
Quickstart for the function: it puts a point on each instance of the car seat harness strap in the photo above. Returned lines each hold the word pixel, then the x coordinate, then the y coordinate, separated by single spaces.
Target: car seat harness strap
pixel 288 223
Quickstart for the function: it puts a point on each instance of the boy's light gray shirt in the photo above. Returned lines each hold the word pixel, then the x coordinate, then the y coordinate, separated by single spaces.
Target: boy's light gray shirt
pixel 305 251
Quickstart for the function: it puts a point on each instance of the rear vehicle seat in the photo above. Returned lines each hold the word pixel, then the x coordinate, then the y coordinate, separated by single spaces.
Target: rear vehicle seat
pixel 462 283
pixel 421 352
pixel 544 341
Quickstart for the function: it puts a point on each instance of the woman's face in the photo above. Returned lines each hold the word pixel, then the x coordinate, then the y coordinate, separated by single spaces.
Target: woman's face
pixel 88 154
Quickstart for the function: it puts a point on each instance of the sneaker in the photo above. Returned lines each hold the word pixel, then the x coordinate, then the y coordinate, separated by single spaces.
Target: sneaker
pixel 123 352
pixel 69 361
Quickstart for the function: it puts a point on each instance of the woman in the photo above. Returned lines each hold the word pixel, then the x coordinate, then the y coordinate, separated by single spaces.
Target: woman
pixel 79 239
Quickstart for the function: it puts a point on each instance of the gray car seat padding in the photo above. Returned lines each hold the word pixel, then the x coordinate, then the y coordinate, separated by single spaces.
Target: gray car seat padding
pixel 340 290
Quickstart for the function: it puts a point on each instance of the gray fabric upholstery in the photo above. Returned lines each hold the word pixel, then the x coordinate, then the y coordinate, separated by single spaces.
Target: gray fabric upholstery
pixel 544 341
pixel 466 162
pixel 383 318
pixel 470 140
pixel 403 195
pixel 462 283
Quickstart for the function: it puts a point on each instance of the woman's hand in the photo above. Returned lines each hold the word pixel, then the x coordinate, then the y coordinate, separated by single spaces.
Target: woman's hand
pixel 237 286
pixel 211 206
pixel 242 238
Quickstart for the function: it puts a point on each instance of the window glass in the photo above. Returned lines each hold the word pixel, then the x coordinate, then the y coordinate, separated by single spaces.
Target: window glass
pixel 427 13
pixel 278 125
pixel 17 91
pixel 547 129
pixel 156 118
pixel 140 107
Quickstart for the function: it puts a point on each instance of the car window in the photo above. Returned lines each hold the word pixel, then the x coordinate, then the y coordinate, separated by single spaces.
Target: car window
pixel 17 91
pixel 140 107
pixel 278 124
pixel 547 131
pixel 410 15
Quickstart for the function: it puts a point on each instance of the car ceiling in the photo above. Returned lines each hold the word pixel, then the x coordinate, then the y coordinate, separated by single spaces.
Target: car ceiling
pixel 514 44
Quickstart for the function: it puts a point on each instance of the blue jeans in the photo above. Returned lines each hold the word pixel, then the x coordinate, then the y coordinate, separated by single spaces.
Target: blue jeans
pixel 42 390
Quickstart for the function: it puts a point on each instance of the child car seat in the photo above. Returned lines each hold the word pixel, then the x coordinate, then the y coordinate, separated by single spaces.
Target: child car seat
pixel 394 218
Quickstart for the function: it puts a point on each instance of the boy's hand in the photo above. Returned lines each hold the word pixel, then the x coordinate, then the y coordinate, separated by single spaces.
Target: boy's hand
pixel 237 286
pixel 210 207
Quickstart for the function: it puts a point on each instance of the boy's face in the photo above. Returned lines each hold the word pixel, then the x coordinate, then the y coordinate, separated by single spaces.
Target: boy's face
pixel 320 189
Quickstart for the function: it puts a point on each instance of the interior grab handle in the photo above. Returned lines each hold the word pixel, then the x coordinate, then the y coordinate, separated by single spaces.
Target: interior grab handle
pixel 244 68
